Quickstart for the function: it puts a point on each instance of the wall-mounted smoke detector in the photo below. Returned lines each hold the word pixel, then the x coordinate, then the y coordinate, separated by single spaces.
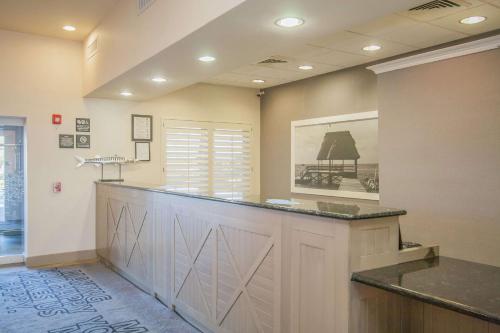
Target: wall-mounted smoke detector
pixel 143 5
pixel 92 49
pixel 273 61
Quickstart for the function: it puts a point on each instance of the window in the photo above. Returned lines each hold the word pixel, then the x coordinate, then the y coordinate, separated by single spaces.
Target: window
pixel 208 158
pixel 232 169
pixel 186 158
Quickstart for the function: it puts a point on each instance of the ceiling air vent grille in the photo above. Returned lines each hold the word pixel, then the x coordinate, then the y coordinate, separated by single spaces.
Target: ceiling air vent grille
pixel 273 61
pixel 143 5
pixel 436 4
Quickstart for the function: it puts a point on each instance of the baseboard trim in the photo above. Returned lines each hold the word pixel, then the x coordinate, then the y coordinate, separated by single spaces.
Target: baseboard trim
pixel 62 259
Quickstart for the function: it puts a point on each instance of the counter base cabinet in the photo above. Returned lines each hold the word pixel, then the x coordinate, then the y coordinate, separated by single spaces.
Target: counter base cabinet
pixel 316 282
pixel 374 311
pixel 128 227
pixel 101 221
pixel 312 288
pixel 162 253
pixel 230 268
pixel 117 215
pixel 226 266
pixel 379 311
pixel 494 328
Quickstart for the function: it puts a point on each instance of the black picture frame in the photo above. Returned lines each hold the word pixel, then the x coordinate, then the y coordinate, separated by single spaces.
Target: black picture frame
pixel 82 141
pixel 143 139
pixel 66 141
pixel 82 125
pixel 149 151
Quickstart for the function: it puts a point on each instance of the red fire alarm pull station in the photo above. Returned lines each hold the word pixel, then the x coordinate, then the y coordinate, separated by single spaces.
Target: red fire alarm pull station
pixel 56 119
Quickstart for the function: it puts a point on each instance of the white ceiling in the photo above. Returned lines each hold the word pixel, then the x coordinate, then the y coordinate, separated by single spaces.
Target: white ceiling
pixel 245 35
pixel 397 33
pixel 47 17
pixel 331 38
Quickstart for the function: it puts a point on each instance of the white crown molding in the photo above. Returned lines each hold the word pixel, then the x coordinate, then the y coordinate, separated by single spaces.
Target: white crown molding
pixel 476 46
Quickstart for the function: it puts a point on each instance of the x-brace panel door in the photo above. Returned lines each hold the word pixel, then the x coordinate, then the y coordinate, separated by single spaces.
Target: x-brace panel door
pixel 226 268
pixel 116 232
pixel 139 258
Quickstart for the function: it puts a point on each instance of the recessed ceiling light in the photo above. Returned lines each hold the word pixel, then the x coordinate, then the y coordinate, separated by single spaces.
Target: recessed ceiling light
pixel 258 81
pixel 289 22
pixel 372 48
pixel 159 79
pixel 206 59
pixel 473 19
pixel 69 28
pixel 126 93
pixel 306 67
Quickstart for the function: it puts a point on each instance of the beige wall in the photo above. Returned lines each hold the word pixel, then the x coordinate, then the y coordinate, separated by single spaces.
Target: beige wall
pixel 41 76
pixel 440 149
pixel 439 142
pixel 201 102
pixel 347 91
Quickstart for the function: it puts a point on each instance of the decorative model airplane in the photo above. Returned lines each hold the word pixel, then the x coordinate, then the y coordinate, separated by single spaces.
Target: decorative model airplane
pixel 98 160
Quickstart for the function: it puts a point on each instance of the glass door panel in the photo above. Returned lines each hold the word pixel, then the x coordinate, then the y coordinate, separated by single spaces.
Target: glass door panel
pixel 11 190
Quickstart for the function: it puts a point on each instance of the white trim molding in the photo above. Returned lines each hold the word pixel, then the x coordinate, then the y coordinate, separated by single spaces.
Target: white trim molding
pixel 11 259
pixel 454 51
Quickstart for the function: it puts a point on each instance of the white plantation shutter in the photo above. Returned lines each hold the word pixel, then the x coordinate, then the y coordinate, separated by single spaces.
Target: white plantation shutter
pixel 232 169
pixel 208 158
pixel 187 158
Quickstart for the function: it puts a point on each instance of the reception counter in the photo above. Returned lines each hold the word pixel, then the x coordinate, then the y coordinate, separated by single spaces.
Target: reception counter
pixel 245 265
pixel 438 294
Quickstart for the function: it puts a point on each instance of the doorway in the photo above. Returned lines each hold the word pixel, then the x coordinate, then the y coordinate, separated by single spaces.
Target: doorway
pixel 12 164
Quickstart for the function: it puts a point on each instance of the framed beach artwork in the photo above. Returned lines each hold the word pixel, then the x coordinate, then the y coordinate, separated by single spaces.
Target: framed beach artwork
pixel 336 156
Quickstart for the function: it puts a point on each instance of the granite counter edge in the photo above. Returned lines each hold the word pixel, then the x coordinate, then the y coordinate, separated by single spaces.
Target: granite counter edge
pixel 426 298
pixel 395 212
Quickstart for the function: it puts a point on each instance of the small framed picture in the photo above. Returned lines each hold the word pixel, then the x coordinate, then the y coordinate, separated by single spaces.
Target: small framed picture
pixel 142 151
pixel 82 124
pixel 67 141
pixel 142 127
pixel 83 141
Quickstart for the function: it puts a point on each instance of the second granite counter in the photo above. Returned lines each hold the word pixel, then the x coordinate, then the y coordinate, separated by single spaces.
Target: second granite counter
pixel 462 286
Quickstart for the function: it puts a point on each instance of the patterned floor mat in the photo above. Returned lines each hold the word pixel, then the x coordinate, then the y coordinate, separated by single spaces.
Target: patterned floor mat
pixel 79 299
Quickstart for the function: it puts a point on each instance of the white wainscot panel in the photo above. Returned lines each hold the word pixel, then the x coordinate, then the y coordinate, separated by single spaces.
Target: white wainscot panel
pixel 226 266
pixel 116 224
pixel 129 222
pixel 162 250
pixel 138 259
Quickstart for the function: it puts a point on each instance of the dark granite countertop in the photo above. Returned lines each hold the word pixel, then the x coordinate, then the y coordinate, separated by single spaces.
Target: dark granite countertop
pixel 463 286
pixel 344 210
